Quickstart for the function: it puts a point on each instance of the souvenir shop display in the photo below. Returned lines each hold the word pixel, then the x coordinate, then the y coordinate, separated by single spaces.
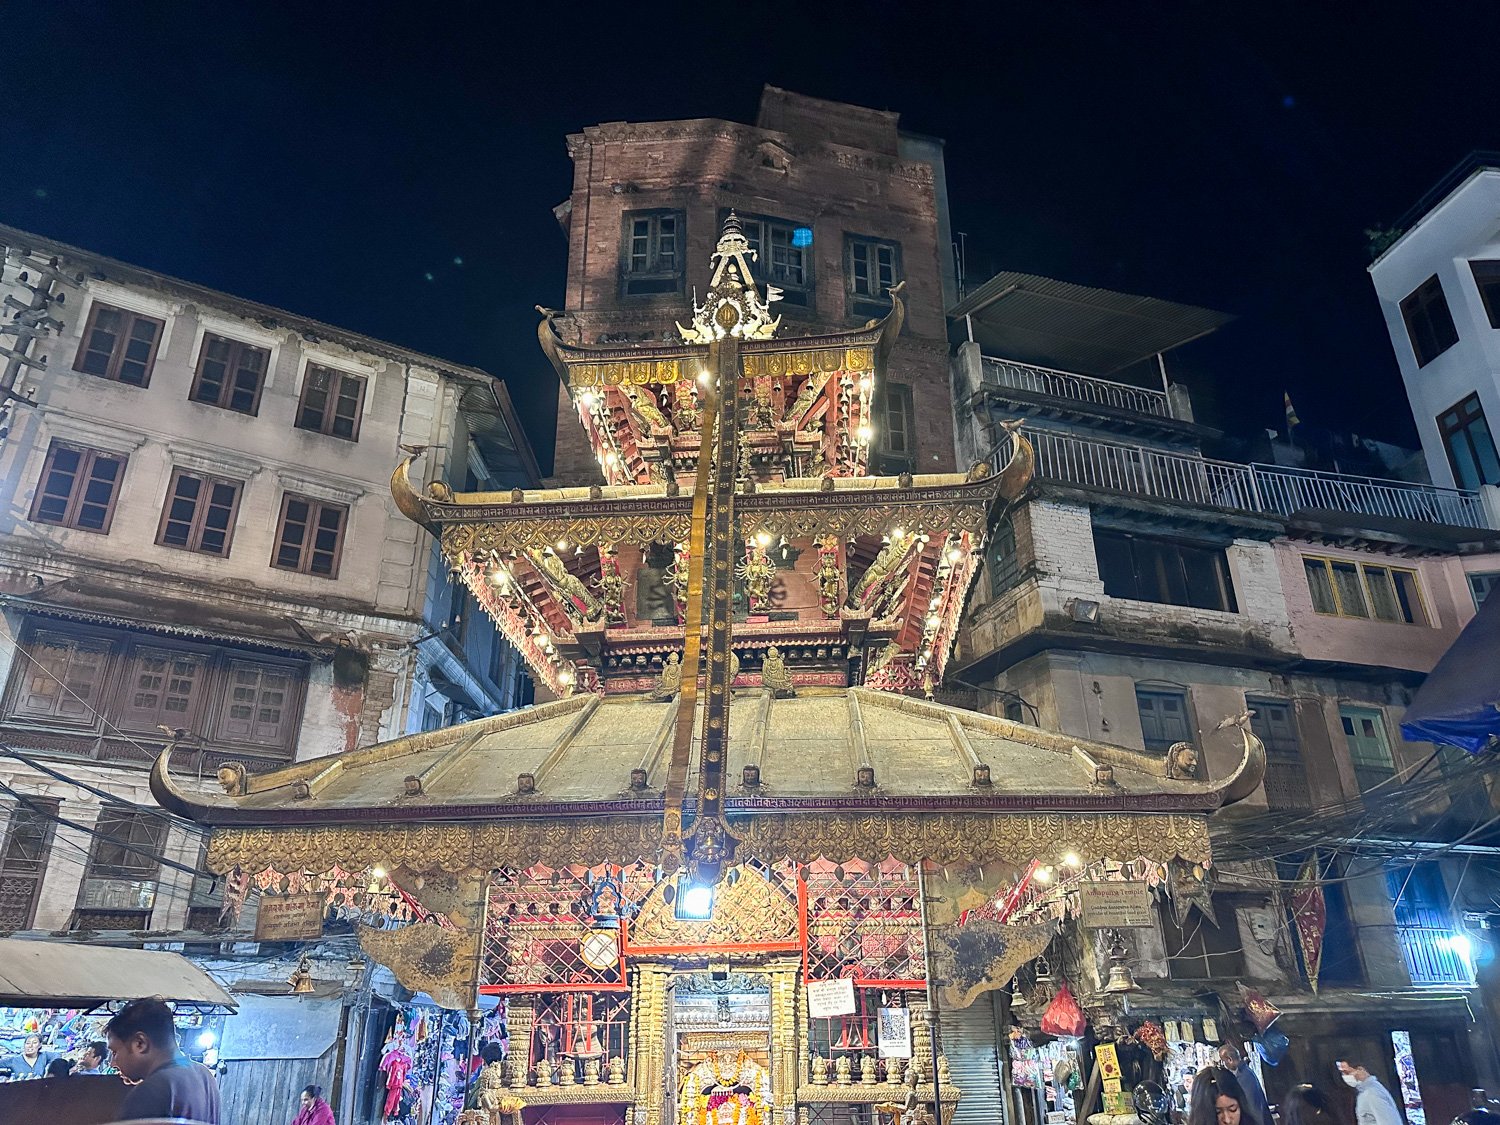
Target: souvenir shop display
pixel 427 1063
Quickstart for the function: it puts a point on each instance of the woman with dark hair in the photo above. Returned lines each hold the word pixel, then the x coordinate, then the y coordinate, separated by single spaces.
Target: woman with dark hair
pixel 59 1068
pixel 314 1111
pixel 1308 1105
pixel 1217 1098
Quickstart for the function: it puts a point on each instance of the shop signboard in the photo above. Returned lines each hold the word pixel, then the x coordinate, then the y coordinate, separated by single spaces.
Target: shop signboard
pixel 1116 905
pixel 290 917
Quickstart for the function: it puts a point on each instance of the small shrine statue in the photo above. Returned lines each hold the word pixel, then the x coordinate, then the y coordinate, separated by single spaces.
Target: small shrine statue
pixel 843 1070
pixel 515 1068
pixel 591 1071
pixel 867 1070
pixel 774 674
pixel 945 1077
pixel 670 683
pixel 491 1087
pixel 617 1071
pixel 566 1075
pixel 543 1072
pixel 728 1088
pixel 819 1070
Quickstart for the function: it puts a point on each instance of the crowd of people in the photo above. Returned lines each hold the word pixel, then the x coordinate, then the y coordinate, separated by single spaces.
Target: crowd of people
pixel 140 1045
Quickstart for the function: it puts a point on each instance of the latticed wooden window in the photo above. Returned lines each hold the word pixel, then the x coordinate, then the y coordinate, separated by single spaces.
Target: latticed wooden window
pixel 23 861
pixel 1287 784
pixel 652 259
pixel 119 883
pixel 162 688
pixel 258 704
pixel 61 681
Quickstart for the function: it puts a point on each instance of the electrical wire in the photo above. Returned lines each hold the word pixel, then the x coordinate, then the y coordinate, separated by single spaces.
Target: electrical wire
pixel 39 809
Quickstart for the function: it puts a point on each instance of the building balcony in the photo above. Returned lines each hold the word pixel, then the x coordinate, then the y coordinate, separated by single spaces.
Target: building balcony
pixel 1386 506
pixel 1035 380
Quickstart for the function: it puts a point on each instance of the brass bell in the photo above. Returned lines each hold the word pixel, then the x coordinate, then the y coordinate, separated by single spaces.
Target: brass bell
pixel 302 981
pixel 1043 971
pixel 1120 979
pixel 1018 1002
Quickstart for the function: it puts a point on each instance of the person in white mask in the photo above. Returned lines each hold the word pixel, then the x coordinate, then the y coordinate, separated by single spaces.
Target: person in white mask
pixel 1373 1104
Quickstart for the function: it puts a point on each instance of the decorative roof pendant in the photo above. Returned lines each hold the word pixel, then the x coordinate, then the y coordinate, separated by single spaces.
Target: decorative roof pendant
pixel 733 306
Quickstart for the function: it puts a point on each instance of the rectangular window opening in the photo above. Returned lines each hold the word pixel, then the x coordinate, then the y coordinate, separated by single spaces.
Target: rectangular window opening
pixel 1429 322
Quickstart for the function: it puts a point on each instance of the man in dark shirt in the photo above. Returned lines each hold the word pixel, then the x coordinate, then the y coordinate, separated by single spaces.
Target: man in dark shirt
pixel 143 1048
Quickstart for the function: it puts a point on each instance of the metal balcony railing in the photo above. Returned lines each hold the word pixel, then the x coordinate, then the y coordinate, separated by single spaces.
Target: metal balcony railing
pixel 1081 388
pixel 1289 491
pixel 1188 479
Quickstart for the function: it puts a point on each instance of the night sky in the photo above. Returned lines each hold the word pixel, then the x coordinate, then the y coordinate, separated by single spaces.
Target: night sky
pixel 392 168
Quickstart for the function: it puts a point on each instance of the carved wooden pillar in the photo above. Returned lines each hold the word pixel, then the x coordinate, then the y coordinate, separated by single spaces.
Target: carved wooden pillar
pixel 786 1041
pixel 648 1041
pixel 520 1020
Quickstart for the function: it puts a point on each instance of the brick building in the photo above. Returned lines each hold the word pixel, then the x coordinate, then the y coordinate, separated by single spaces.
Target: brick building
pixel 839 203
pixel 197 534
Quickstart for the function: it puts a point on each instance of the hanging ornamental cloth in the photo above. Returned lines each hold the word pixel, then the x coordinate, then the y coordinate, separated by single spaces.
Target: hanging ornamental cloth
pixel 1262 1012
pixel 1188 885
pixel 1310 916
pixel 982 956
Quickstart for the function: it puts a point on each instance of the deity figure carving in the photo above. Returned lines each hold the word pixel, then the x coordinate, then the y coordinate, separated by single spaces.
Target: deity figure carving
pixel 591 1071
pixel 815 383
pixel 819 1070
pixel 543 1072
pixel 774 674
pixel 575 596
pixel 616 1071
pixel 643 401
pixel 830 580
pixel 883 583
pixel 670 683
pixel 491 1087
pixel 611 586
pixel 867 1070
pixel 756 571
pixel 843 1071
pixel 1182 761
pixel 728 1088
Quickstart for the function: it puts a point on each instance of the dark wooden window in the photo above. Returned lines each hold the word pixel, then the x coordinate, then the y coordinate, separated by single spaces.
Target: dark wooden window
pixel 1274 723
pixel 1203 948
pixel 895 423
pixel 119 345
pixel 331 402
pixel 162 687
pixel 1487 281
pixel 85 684
pixel 119 883
pixel 199 513
pixel 1470 444
pixel 1001 559
pixel 779 259
pixel 872 266
pixel 310 536
pixel 1429 324
pixel 230 374
pixel 63 682
pixel 1425 925
pixel 1164 718
pixel 78 488
pixel 259 706
pixel 23 861
pixel 652 254
pixel 1158 570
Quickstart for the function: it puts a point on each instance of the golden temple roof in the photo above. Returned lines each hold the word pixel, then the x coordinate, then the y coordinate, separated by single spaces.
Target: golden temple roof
pixel 824 749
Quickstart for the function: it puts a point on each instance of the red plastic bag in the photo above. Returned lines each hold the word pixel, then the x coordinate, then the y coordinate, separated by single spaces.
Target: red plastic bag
pixel 1063 1016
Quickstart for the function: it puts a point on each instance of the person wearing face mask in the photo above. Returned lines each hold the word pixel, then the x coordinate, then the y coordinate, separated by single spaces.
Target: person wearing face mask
pixel 1257 1109
pixel 1373 1104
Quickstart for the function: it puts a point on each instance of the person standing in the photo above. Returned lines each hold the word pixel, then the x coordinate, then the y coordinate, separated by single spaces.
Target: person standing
pixel 1256 1105
pixel 314 1110
pixel 1217 1099
pixel 32 1062
pixel 92 1059
pixel 1373 1104
pixel 143 1047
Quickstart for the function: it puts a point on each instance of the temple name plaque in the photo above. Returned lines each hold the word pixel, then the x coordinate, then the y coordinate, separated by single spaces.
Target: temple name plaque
pixel 1116 906
pixel 830 997
pixel 290 917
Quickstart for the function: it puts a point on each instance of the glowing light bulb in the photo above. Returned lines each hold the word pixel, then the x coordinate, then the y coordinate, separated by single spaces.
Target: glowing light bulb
pixel 562 544
pixel 703 377
pixel 763 538
pixel 934 621
pixel 611 458
pixel 1043 875
pixel 587 399
pixel 899 533
pixel 377 872
pixel 206 1040
pixel 565 677
pixel 865 434
pixel 1072 860
pixel 955 555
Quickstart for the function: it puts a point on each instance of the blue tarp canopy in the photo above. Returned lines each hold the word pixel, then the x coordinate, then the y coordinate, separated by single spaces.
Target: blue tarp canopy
pixel 1460 703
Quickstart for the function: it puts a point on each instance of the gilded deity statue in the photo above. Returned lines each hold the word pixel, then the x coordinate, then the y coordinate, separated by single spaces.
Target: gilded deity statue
pixel 774 674
pixel 575 596
pixel 670 683
pixel 728 1088
pixel 643 401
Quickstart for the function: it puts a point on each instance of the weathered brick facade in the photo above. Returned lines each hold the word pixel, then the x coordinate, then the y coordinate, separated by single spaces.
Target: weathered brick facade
pixel 836 170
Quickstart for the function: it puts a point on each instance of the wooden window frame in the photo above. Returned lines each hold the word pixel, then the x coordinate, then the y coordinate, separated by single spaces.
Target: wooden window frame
pixel 1486 273
pixel 304 562
pixel 330 415
pixel 11 868
pixel 200 510
pixel 1417 309
pixel 1463 429
pixel 1352 713
pixel 1286 764
pixel 237 350
pixel 901 394
pixel 759 232
pixel 1163 693
pixel 117 354
pixel 1420 614
pixel 655 279
pixel 107 716
pixel 77 492
pixel 1005 573
pixel 1482 583
pixel 131 667
pixel 862 304
pixel 1136 545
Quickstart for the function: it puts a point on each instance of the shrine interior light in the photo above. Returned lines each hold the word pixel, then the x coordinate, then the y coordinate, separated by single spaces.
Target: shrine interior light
pixel 695 901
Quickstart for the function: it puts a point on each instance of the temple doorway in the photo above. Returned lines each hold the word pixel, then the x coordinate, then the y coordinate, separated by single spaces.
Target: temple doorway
pixel 719 1049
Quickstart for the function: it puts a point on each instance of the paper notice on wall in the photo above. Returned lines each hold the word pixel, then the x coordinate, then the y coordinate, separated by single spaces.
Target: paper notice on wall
pixel 830 998
pixel 894 1038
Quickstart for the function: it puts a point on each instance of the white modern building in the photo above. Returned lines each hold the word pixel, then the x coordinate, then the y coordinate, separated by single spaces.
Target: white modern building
pixel 1439 289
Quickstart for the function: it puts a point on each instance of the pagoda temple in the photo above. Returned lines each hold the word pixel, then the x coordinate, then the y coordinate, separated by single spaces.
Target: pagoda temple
pixel 743 863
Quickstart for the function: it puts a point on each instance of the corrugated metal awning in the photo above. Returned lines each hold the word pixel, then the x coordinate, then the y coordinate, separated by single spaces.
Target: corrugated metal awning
pixel 57 975
pixel 1074 328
